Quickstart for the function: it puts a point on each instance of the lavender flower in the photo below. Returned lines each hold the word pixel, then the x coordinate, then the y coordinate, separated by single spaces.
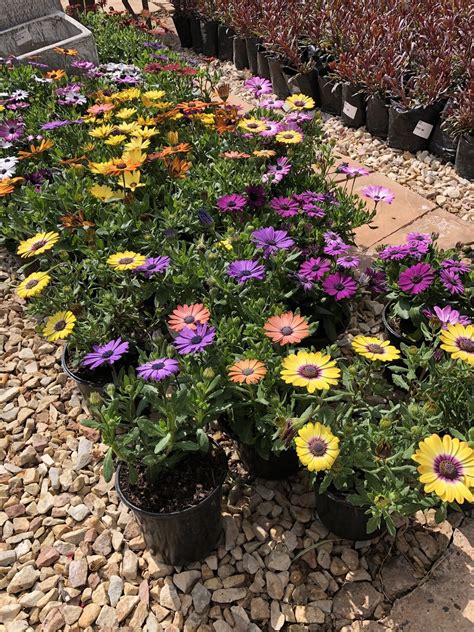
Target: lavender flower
pixel 444 316
pixel 271 240
pixel 55 124
pixel 194 340
pixel 315 268
pixel 351 171
pixel 394 253
pixel 285 207
pixel 451 281
pixel 159 369
pixel 11 129
pixel 335 248
pixel 271 129
pixel 271 103
pixel 378 194
pixel 276 173
pixel 348 262
pixel 245 269
pixel 105 354
pixel 259 86
pixel 453 265
pixel 153 265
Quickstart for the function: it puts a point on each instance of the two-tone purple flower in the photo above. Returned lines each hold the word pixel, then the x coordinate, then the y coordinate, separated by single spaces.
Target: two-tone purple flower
pixel 314 269
pixel 378 194
pixel 416 279
pixel 11 130
pixel 194 340
pixel 245 269
pixel 444 316
pixel 284 206
pixel 276 173
pixel 351 171
pixel 159 369
pixel 108 353
pixel 340 286
pixel 153 265
pixel 271 240
pixel 233 203
pixel 259 86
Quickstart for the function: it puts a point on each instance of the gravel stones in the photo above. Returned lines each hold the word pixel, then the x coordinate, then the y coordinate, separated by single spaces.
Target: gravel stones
pixel 23 580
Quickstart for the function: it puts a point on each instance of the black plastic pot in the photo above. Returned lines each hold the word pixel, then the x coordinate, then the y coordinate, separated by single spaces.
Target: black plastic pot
pixel 442 144
pixel 277 467
pixel 410 130
pixel 343 518
pixel 251 45
pixel 225 43
pixel 376 116
pixel 465 157
pixel 302 83
pixel 393 335
pixel 181 537
pixel 279 85
pixel 353 106
pixel 209 37
pixel 195 26
pixel 86 387
pixel 330 93
pixel 183 29
pixel 262 64
pixel 240 53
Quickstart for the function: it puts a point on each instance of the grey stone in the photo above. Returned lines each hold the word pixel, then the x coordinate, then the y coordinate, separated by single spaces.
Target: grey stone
pixel 186 580
pixel 228 595
pixel 356 600
pixel 14 13
pixel 115 589
pixel 201 598
pixel 84 454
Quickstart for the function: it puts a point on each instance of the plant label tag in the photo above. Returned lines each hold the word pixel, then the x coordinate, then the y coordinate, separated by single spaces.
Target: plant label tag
pixel 422 129
pixel 23 37
pixel 349 110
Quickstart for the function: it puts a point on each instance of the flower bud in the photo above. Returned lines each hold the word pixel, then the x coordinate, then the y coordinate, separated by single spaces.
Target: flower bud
pixel 385 423
pixel 95 399
pixel 110 390
pixel 208 373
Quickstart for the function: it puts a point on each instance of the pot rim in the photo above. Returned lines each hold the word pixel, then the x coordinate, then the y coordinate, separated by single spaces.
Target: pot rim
pixel 389 327
pixel 73 376
pixel 172 514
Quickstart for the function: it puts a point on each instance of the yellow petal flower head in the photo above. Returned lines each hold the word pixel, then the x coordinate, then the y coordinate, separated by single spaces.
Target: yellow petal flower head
pixel 38 244
pixel 252 125
pixel 134 155
pixel 264 153
pixel 137 143
pixel 129 94
pixel 115 140
pixel 458 341
pixel 446 467
pixel 127 260
pixel 172 138
pixel 102 131
pixel 155 95
pixel 33 285
pixel 130 180
pixel 101 168
pixel 375 349
pixel 125 113
pixel 315 371
pixel 206 118
pixel 289 137
pixel 105 193
pixel 145 120
pixel 225 244
pixel 300 102
pixel 145 132
pixel 127 128
pixel 317 448
pixel 59 326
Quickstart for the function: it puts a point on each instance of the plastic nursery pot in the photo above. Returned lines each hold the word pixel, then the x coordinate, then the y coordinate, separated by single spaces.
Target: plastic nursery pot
pixel 410 130
pixel 196 35
pixel 86 387
pixel 277 467
pixel 262 63
pixel 302 83
pixel 395 336
pixel 251 46
pixel 443 144
pixel 330 92
pixel 353 106
pixel 183 29
pixel 240 53
pixel 341 517
pixel 225 43
pixel 180 537
pixel 376 116
pixel 209 37
pixel 465 157
pixel 279 85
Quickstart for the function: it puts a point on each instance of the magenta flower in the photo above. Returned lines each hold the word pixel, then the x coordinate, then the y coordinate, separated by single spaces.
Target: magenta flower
pixel 299 117
pixel 270 103
pixel 340 286
pixel 271 129
pixel 153 265
pixel 444 316
pixel 394 253
pixel 105 354
pixel 159 369
pixel 259 86
pixel 335 248
pixel 451 281
pixel 378 194
pixel 231 203
pixel 246 269
pixel 347 262
pixel 285 207
pixel 351 171
pixel 417 249
pixel 419 237
pixel 255 196
pixel 315 268
pixel 194 340
pixel 276 173
pixel 313 210
pixel 376 280
pixel 416 279
pixel 11 130
pixel 271 240
pixel 453 265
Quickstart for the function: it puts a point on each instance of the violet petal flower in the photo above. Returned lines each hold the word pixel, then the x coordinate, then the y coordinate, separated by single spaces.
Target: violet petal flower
pixel 453 265
pixel 153 265
pixel 256 197
pixel 285 207
pixel 315 268
pixel 194 340
pixel 231 203
pixel 259 86
pixel 378 194
pixel 271 240
pixel 416 279
pixel 451 281
pixel 444 316
pixel 340 286
pixel 348 262
pixel 245 269
pixel 105 354
pixel 159 369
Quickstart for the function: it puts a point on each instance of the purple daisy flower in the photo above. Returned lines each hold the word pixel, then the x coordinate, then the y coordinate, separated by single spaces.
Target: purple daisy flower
pixel 153 265
pixel 453 265
pixel 271 240
pixel 451 281
pixel 276 173
pixel 259 86
pixel 159 369
pixel 313 210
pixel 444 316
pixel 351 171
pixel 394 253
pixel 330 235
pixel 376 280
pixel 378 194
pixel 285 207
pixel 299 117
pixel 271 129
pixel 11 130
pixel 245 269
pixel 55 124
pixel 19 105
pixel 335 248
pixel 416 279
pixel 340 286
pixel 419 237
pixel 315 268
pixel 194 340
pixel 82 64
pixel 105 354
pixel 270 103
pixel 417 249
pixel 231 203
pixel 255 196
pixel 348 262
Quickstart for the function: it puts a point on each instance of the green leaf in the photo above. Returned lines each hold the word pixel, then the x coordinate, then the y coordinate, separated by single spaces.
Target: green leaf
pixel 108 465
pixel 161 445
pixel 399 381
pixel 90 423
pixel 203 440
pixel 373 524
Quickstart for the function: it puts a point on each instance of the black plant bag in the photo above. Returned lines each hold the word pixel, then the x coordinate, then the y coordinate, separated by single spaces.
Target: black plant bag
pixel 263 69
pixel 302 83
pixel 279 85
pixel 183 28
pixel 209 37
pixel 225 43
pixel 195 25
pixel 251 45
pixel 465 157
pixel 443 144
pixel 410 130
pixel 376 116
pixel 353 106
pixel 240 53
pixel 330 93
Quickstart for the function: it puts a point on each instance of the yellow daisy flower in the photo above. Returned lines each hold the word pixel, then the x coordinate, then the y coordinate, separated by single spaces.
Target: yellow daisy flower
pixel 137 143
pixel 59 326
pixel 145 132
pixel 225 244
pixel 102 131
pixel 458 341
pixel 130 180
pixel 312 370
pixel 145 120
pixel 155 95
pixel 115 140
pixel 105 193
pixel 289 137
pixel 446 467
pixel 38 244
pixel 127 128
pixel 172 138
pixel 126 260
pixel 252 125
pixel 125 113
pixel 264 153
pixel 101 168
pixel 134 155
pixel 33 285
pixel 375 349
pixel 317 448
pixel 300 102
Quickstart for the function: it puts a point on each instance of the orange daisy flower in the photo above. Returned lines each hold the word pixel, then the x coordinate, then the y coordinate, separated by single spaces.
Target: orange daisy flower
pixel 100 108
pixel 55 74
pixel 177 168
pixel 188 316
pixel 36 149
pixel 6 187
pixel 287 328
pixel 247 372
pixel 264 153
pixel 169 151
pixel 119 165
pixel 69 52
pixel 234 155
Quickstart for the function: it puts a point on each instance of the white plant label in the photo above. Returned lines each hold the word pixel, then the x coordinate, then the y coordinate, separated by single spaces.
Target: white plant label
pixel 349 110
pixel 23 37
pixel 422 129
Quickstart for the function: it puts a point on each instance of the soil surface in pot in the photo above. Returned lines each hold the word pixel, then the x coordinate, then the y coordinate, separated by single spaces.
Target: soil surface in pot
pixel 185 486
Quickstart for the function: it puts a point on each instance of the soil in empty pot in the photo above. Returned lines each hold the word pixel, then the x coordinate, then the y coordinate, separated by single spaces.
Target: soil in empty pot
pixel 188 484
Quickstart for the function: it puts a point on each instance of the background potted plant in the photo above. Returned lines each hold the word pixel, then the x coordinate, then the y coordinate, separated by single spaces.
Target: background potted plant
pixel 183 9
pixel 460 123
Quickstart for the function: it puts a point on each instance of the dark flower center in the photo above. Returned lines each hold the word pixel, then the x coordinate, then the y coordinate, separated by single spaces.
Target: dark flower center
pixel 448 469
pixel 466 344
pixel 317 446
pixel 247 371
pixel 39 244
pixel 375 348
pixel 245 273
pixel 315 267
pixel 416 278
pixel 107 354
pixel 126 260
pixel 157 366
pixel 195 340
pixel 188 319
pixel 60 325
pixel 271 242
pixel 32 283
pixel 310 371
pixel 286 331
pixel 121 165
pixel 339 286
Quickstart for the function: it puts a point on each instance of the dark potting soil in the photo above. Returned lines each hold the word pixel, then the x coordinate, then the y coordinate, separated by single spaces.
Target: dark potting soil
pixel 185 486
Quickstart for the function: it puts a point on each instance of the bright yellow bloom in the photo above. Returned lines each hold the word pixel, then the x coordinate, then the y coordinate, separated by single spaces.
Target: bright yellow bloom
pixel 206 118
pixel 145 120
pixel 458 341
pixel 125 113
pixel 33 285
pixel 252 124
pixel 101 168
pixel 155 95
pixel 312 370
pixel 102 131
pixel 105 193
pixel 134 155
pixel 59 326
pixel 130 180
pixel 446 467
pixel 225 244
pixel 317 448
pixel 2 108
pixel 375 349
pixel 126 260
pixel 145 132
pixel 129 94
pixel 41 242
pixel 289 137
pixel 115 140
pixel 127 128
pixel 88 147
pixel 137 143
pixel 172 138
pixel 300 102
